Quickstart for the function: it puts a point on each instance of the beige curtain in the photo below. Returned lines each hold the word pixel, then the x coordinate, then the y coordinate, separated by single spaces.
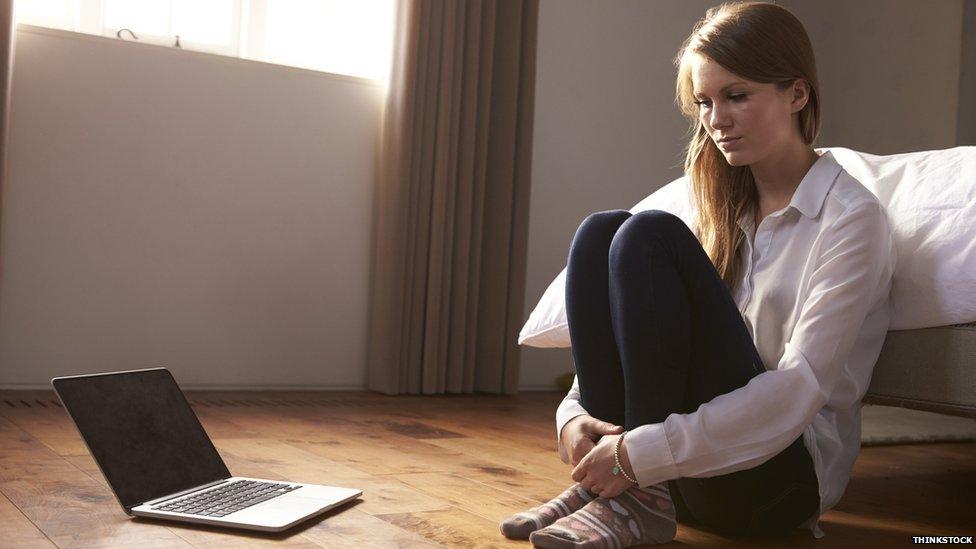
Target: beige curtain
pixel 7 32
pixel 452 199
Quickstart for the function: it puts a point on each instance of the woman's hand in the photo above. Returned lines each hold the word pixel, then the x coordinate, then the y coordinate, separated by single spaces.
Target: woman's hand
pixel 581 433
pixel 595 470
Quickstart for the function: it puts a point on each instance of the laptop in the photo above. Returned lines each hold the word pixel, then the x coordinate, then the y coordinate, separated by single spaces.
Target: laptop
pixel 160 463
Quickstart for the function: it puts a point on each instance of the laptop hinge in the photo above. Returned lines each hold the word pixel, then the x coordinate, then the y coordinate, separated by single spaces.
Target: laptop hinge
pixel 183 493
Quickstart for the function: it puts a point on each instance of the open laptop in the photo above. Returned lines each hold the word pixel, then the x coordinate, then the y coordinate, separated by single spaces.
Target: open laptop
pixel 160 462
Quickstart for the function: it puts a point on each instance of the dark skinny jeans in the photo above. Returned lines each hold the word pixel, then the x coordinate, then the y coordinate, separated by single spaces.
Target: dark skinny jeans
pixel 654 330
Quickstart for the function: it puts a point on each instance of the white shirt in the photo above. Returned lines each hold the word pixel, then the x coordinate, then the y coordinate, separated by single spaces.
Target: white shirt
pixel 814 294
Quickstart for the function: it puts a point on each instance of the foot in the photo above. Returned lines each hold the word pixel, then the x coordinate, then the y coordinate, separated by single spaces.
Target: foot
pixel 635 517
pixel 520 525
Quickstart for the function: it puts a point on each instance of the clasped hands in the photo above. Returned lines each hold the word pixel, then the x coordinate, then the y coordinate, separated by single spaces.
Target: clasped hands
pixel 589 443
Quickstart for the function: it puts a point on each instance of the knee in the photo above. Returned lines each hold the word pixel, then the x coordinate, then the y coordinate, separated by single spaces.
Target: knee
pixel 603 221
pixel 651 226
pixel 654 223
pixel 598 229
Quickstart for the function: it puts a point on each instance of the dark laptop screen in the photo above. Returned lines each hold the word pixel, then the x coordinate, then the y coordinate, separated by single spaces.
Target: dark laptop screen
pixel 141 431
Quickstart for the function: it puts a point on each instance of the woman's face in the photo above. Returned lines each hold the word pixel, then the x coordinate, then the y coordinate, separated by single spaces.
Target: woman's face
pixel 759 116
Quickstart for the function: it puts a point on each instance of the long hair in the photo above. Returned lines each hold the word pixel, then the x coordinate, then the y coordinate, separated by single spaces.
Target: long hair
pixel 757 41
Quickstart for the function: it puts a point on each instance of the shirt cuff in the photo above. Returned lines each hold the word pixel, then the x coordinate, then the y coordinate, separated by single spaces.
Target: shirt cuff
pixel 566 411
pixel 650 455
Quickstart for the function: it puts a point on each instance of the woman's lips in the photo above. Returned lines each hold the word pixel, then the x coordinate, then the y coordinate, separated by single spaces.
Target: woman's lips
pixel 731 143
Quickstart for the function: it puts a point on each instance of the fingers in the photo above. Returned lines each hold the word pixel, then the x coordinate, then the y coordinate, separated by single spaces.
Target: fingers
pixel 588 483
pixel 579 473
pixel 598 427
pixel 581 450
pixel 581 470
pixel 612 489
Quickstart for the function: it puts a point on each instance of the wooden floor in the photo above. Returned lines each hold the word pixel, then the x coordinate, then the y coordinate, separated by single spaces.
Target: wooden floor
pixel 436 471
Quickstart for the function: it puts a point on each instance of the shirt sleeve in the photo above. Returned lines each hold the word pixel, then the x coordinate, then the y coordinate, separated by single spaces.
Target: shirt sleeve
pixel 743 428
pixel 569 408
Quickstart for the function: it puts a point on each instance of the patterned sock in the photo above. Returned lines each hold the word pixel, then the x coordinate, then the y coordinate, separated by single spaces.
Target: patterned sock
pixel 637 516
pixel 520 525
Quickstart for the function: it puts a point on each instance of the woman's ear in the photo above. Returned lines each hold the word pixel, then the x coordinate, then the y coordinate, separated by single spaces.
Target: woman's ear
pixel 801 94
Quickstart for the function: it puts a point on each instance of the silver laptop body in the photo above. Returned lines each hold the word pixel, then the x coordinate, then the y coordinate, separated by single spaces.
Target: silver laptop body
pixel 160 463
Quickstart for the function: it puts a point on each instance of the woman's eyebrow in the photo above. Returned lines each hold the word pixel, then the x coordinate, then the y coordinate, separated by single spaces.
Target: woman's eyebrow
pixel 697 94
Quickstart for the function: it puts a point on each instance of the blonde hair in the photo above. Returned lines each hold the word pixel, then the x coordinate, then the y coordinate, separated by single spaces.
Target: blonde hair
pixel 757 41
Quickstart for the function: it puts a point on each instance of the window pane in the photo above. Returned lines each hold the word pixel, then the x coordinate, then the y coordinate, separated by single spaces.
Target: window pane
pixel 148 16
pixel 346 37
pixel 206 21
pixel 48 13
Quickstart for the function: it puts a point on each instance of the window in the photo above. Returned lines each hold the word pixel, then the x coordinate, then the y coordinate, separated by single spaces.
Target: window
pixel 353 37
pixel 46 13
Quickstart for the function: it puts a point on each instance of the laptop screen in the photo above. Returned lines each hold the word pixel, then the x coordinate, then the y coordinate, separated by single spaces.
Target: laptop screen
pixel 141 431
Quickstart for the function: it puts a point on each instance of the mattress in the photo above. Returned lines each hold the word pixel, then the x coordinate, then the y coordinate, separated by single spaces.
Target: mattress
pixel 927 369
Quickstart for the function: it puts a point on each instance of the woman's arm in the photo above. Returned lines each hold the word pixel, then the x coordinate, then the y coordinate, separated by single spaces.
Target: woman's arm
pixel 743 428
pixel 569 408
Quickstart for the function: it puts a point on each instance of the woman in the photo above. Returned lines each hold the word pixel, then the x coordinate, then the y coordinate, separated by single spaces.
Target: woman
pixel 718 372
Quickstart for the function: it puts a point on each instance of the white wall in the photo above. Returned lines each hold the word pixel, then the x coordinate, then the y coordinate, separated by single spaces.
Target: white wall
pixel 966 131
pixel 607 132
pixel 889 71
pixel 167 207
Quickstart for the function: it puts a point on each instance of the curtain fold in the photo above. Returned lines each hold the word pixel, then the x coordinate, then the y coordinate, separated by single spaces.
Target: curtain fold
pixel 451 209
pixel 7 31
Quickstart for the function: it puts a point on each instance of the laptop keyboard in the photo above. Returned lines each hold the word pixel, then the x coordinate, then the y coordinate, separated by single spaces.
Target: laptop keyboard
pixel 226 499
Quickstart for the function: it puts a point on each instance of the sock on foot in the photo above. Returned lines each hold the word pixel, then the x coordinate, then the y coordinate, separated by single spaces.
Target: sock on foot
pixel 520 525
pixel 635 517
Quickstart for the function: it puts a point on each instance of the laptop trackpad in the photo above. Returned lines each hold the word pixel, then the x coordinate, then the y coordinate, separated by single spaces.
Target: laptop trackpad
pixel 278 511
pixel 329 494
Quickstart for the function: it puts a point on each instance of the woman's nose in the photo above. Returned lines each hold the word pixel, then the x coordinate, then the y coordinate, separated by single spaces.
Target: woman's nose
pixel 720 117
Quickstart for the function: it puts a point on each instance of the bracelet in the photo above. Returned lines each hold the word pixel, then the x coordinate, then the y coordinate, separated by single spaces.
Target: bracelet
pixel 619 469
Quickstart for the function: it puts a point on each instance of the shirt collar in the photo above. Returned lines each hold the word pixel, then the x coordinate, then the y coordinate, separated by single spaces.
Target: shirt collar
pixel 810 194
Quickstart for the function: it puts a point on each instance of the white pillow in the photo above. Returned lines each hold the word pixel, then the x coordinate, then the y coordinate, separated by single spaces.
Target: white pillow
pixel 930 199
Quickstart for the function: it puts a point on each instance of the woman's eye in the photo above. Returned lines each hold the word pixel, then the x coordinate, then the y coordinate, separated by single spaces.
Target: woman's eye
pixel 707 103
